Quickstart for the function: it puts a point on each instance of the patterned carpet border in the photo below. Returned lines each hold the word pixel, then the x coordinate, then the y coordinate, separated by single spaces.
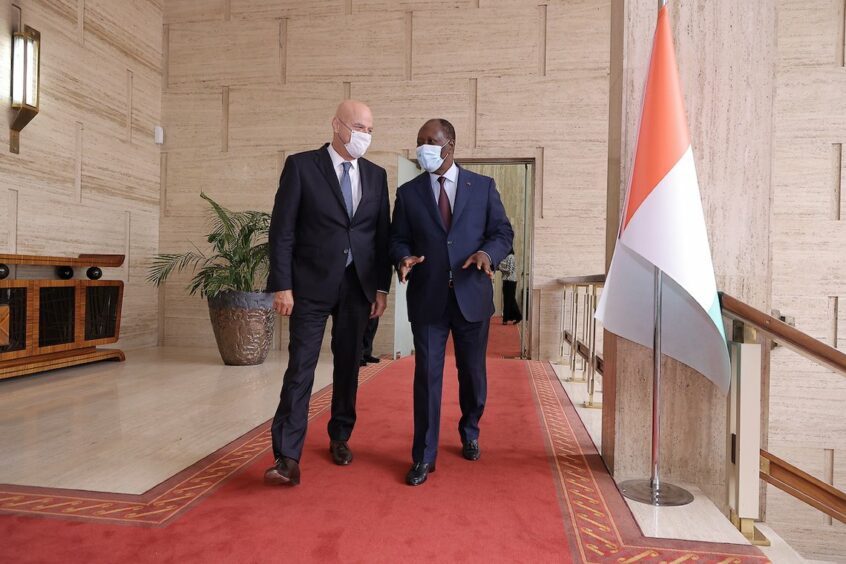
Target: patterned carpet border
pixel 597 518
pixel 164 503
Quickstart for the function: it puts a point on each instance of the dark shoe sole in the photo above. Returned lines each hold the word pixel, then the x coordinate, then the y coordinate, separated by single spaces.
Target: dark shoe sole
pixel 339 461
pixel 471 456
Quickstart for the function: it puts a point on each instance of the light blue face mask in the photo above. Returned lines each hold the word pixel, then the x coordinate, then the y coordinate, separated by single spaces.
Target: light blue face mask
pixel 429 157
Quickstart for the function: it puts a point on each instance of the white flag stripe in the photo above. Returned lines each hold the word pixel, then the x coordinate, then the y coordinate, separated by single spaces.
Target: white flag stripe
pixel 688 333
pixel 668 230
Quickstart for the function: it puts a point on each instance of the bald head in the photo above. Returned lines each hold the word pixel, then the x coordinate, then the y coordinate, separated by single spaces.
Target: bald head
pixel 352 111
pixel 350 116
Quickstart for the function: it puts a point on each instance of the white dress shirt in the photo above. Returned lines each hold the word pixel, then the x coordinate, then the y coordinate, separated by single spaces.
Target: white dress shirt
pixel 355 177
pixel 451 185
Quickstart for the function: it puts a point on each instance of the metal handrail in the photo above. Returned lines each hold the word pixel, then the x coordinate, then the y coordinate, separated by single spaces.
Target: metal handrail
pixel 783 333
pixel 768 467
pixel 584 349
pixel 745 399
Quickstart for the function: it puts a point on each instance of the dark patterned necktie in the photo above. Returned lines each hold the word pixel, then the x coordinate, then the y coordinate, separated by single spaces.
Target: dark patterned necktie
pixel 443 204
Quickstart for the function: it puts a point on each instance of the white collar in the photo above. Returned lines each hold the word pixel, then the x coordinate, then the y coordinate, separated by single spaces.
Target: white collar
pixel 338 159
pixel 451 174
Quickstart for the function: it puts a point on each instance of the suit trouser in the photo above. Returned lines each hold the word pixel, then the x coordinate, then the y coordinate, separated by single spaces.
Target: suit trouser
pixel 369 335
pixel 349 312
pixel 471 342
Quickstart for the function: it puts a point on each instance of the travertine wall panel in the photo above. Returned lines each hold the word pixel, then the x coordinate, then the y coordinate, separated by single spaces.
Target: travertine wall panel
pixel 238 179
pixel 193 120
pixel 194 10
pixel 446 6
pixel 808 103
pixel 578 36
pixel 295 115
pixel 87 177
pixel 346 48
pixel 252 53
pixel 805 163
pixel 130 30
pixel 808 32
pixel 483 42
pixel 806 424
pixel 273 9
pixel 551 109
pixel 400 108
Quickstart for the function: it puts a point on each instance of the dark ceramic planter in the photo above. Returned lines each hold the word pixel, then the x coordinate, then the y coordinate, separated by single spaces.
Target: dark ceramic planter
pixel 243 326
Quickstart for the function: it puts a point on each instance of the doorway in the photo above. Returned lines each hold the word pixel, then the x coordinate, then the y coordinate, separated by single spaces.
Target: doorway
pixel 514 180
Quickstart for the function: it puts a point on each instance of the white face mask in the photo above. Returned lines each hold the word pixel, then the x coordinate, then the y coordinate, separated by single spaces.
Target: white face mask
pixel 429 157
pixel 358 143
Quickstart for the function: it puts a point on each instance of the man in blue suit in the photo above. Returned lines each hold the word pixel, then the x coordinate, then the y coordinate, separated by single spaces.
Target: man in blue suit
pixel 450 227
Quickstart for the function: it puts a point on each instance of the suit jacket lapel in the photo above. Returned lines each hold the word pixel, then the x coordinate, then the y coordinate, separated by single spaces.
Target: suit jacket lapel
pixel 324 163
pixel 462 195
pixel 366 189
pixel 424 189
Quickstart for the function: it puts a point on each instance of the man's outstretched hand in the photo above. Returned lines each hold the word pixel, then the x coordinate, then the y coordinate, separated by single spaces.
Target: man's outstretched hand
pixel 406 265
pixel 481 261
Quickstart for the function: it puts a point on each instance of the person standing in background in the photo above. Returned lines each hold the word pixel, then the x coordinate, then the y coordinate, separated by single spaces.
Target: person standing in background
pixel 510 307
pixel 367 347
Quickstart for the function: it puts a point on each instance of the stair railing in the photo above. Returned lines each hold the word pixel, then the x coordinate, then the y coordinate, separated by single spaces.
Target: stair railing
pixel 751 330
pixel 578 331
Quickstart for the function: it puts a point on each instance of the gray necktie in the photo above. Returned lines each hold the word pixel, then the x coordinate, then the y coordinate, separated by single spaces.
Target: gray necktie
pixel 346 190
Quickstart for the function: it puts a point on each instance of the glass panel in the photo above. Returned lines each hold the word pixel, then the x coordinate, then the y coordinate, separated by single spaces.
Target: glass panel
pixel 15 298
pixel 56 316
pixel 18 70
pixel 100 312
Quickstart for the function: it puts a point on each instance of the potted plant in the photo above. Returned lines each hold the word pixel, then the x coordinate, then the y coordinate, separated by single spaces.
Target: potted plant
pixel 230 276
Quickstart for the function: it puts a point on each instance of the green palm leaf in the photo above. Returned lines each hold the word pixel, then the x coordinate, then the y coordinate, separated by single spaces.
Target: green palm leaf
pixel 238 260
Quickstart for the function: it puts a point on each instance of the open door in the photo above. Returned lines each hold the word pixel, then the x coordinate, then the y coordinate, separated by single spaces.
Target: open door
pixel 403 339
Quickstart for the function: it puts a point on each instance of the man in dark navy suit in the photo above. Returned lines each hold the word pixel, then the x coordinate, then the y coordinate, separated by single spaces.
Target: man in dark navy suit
pixel 450 227
pixel 329 237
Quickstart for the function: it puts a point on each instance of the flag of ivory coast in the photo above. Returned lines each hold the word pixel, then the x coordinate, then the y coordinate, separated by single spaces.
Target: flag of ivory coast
pixel 663 226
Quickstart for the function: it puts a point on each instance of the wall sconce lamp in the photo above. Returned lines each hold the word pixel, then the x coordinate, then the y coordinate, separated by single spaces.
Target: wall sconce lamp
pixel 26 47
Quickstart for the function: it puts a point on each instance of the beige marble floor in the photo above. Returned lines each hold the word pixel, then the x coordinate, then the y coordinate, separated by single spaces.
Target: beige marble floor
pixel 700 520
pixel 578 394
pixel 125 427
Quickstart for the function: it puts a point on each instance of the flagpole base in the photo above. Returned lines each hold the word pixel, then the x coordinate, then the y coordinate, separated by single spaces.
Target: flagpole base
pixel 667 495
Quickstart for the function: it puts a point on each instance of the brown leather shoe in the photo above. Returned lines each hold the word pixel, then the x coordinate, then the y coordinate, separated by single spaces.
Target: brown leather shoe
pixel 286 472
pixel 341 453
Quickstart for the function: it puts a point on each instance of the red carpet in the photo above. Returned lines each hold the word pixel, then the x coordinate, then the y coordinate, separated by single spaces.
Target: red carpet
pixel 538 494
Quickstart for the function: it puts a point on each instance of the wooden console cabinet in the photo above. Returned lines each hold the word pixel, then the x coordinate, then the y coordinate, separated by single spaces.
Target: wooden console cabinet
pixel 49 323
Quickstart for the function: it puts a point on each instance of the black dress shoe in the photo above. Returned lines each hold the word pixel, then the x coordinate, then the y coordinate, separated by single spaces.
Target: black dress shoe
pixel 471 450
pixel 418 473
pixel 372 359
pixel 362 362
pixel 286 472
pixel 341 453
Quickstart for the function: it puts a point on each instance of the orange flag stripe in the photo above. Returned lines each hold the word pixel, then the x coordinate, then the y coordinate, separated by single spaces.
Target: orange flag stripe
pixel 663 136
